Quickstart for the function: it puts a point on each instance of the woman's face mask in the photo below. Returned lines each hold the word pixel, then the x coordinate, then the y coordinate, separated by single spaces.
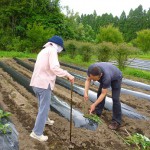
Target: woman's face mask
pixel 59 49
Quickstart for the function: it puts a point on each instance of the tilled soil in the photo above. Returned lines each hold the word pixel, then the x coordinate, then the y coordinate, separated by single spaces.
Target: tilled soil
pixel 23 106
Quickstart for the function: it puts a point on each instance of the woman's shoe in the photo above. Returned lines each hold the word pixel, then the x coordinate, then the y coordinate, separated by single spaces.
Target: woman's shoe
pixel 41 138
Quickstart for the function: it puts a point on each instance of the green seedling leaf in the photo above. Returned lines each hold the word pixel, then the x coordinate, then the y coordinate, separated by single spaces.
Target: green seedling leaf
pixel 140 140
pixel 5 128
pixel 4 114
pixel 93 117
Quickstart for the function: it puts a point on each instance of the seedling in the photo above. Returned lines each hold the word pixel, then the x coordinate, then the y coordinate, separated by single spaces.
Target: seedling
pixel 4 128
pixel 139 140
pixel 4 114
pixel 93 117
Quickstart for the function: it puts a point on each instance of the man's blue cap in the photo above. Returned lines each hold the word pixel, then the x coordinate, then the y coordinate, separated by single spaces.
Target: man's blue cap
pixel 57 40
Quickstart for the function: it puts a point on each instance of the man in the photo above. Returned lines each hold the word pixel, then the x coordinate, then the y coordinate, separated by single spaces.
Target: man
pixel 46 69
pixel 107 75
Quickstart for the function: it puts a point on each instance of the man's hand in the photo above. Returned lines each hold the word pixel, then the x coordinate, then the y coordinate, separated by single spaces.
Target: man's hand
pixel 92 108
pixel 86 96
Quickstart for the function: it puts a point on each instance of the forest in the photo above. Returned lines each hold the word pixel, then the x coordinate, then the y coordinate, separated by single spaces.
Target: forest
pixel 26 25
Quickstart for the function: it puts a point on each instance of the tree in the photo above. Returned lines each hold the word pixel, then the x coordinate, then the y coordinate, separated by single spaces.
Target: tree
pixel 135 22
pixel 17 15
pixel 143 40
pixel 109 34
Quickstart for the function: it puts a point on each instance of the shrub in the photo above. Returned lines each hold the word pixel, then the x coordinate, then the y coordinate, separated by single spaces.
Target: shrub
pixel 143 40
pixel 38 36
pixel 122 53
pixel 86 52
pixel 71 49
pixel 109 34
pixel 104 51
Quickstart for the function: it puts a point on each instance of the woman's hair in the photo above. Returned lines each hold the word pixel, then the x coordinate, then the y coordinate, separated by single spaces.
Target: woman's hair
pixel 95 71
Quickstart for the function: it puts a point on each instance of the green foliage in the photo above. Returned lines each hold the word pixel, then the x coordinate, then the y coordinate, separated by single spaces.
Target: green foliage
pixel 37 36
pixel 136 20
pixel 12 54
pixel 139 140
pixel 143 40
pixel 109 34
pixel 71 49
pixel 137 73
pixel 143 55
pixel 122 53
pixel 15 45
pixel 4 114
pixel 17 16
pixel 104 51
pixel 4 128
pixel 5 38
pixel 93 117
pixel 86 52
pixel 77 60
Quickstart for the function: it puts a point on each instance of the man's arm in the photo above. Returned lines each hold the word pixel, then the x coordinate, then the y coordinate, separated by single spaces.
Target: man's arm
pixel 87 85
pixel 100 98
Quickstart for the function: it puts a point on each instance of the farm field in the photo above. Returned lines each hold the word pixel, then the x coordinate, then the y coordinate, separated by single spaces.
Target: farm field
pixel 23 105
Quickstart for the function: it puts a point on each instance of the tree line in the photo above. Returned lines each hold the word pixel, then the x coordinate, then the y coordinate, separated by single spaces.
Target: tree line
pixel 26 24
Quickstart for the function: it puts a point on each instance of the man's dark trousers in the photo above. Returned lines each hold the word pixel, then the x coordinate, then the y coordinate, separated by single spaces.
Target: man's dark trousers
pixel 116 88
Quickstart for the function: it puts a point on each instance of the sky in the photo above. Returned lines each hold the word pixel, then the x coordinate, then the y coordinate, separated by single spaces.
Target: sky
pixel 115 7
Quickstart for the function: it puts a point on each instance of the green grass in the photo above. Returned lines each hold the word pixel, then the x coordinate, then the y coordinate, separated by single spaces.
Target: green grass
pixel 132 72
pixel 11 54
pixel 77 60
pixel 142 56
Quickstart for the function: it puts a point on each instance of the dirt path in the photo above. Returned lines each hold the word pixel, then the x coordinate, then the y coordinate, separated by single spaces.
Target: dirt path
pixel 23 106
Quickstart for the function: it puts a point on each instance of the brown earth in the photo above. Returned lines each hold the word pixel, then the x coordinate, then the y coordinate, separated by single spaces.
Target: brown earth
pixel 23 106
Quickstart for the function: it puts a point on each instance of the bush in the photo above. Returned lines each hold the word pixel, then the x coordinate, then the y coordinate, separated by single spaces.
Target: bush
pixel 122 53
pixel 71 49
pixel 5 39
pixel 86 52
pixel 109 34
pixel 38 36
pixel 104 51
pixel 14 45
pixel 143 40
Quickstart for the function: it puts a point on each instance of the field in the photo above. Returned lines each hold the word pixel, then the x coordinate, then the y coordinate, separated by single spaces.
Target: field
pixel 23 105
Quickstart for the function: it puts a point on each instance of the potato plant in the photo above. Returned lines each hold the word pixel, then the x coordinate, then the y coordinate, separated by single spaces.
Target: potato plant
pixel 93 117
pixel 142 142
pixel 4 127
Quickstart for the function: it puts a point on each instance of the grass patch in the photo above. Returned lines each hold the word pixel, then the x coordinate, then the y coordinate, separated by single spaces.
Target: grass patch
pixel 141 55
pixel 77 60
pixel 136 73
pixel 11 54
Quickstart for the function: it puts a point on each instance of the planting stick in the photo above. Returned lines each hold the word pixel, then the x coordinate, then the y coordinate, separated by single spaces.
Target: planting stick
pixel 71 111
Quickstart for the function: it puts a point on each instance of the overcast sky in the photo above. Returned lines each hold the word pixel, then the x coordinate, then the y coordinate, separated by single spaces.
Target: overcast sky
pixel 116 7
